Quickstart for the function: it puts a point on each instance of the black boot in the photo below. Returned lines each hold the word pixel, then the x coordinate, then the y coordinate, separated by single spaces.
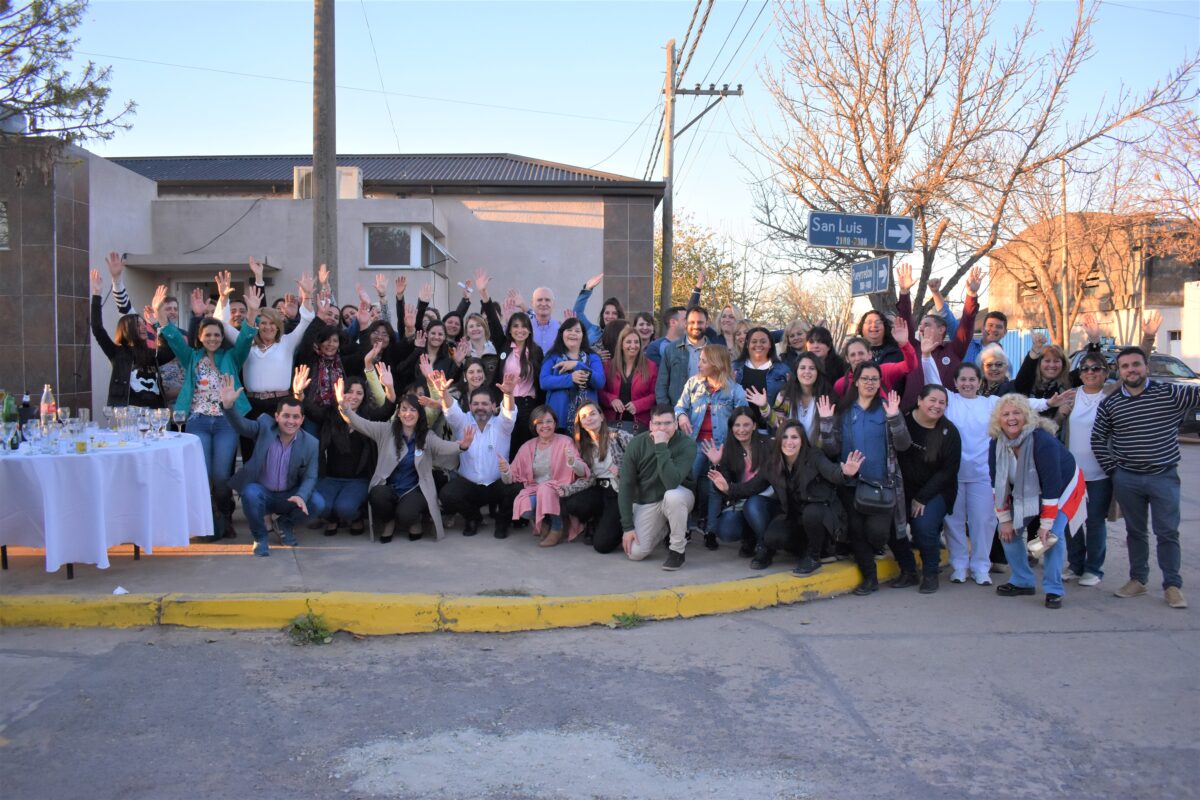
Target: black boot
pixel 906 579
pixel 762 558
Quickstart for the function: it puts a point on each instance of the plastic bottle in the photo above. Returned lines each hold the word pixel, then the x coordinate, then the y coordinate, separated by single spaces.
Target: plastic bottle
pixel 48 408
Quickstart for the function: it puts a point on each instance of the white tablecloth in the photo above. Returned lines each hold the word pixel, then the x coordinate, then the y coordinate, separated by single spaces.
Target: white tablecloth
pixel 78 506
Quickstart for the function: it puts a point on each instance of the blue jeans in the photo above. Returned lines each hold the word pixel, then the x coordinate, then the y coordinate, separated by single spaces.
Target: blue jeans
pixel 220 442
pixel 1022 573
pixel 754 515
pixel 1141 496
pixel 926 532
pixel 708 499
pixel 554 519
pixel 1086 549
pixel 345 497
pixel 257 502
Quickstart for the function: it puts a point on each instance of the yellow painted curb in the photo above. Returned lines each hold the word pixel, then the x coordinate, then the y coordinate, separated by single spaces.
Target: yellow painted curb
pixel 378 614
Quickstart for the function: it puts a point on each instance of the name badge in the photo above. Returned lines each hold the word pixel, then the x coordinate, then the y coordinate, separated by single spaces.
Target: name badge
pixel 946 361
pixel 418 452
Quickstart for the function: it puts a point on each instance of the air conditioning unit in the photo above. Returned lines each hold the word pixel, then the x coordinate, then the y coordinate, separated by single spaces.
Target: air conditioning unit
pixel 349 183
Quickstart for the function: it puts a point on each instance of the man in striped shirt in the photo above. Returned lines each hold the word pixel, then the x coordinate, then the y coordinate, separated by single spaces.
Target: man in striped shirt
pixel 1136 441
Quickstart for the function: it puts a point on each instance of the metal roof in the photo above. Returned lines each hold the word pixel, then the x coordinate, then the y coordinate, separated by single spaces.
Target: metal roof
pixel 488 169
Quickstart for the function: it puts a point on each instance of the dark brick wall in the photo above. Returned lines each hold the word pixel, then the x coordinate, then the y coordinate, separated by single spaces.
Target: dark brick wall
pixel 44 336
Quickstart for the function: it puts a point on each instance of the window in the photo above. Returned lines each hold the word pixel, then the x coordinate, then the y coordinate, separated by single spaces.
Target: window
pixel 1175 336
pixel 390 246
pixel 3 224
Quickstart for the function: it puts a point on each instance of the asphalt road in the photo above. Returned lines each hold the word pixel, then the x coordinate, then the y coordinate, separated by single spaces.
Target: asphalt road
pixel 960 694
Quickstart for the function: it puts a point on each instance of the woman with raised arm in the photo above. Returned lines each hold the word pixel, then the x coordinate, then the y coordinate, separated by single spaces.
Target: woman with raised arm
pixel 432 342
pixel 545 466
pixel 1034 480
pixel 602 449
pixel 200 398
pixel 858 351
pixel 267 372
pixel 759 370
pixel 571 374
pixel 477 344
pixel 1043 374
pixel 610 312
pixel 135 365
pixel 628 393
pixel 346 458
pixel 875 504
pixel 521 356
pixel 738 474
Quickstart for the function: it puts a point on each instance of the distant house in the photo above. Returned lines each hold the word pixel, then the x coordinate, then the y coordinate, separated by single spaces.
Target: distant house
pixel 179 219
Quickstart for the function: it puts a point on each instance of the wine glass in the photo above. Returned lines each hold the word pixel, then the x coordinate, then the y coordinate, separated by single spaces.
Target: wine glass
pixel 32 431
pixel 107 411
pixel 179 417
pixel 143 422
pixel 64 413
pixel 158 419
pixel 6 429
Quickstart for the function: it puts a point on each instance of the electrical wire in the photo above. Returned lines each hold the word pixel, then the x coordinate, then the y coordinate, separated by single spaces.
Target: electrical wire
pixel 257 200
pixel 379 72
pixel 721 49
pixel 695 42
pixel 1151 10
pixel 636 128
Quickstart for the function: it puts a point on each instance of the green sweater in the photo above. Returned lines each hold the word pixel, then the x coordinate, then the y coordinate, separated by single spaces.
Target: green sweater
pixel 650 470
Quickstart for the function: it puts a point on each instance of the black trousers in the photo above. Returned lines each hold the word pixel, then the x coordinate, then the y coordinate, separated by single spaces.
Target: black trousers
pixel 461 496
pixel 866 532
pixel 387 506
pixel 597 503
pixel 521 432
pixel 802 532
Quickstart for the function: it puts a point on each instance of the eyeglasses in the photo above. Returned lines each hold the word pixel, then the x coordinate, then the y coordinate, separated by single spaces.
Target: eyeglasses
pixel 869 378
pixel 1093 368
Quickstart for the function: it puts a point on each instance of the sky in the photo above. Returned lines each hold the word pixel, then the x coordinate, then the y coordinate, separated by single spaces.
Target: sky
pixel 573 82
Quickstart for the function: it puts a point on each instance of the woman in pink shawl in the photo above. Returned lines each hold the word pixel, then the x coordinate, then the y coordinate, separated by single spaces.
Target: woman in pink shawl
pixel 545 465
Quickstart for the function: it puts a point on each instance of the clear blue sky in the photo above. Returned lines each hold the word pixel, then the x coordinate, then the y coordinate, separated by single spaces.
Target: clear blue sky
pixel 495 66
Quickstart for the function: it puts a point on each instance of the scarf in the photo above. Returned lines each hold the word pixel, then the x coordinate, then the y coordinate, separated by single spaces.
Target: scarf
pixel 1026 491
pixel 329 369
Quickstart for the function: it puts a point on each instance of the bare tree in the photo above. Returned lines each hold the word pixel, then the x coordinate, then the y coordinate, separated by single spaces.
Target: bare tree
pixel 923 110
pixel 813 299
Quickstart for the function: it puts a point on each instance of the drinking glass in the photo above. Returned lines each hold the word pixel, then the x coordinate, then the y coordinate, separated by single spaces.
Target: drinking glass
pixel 180 417
pixel 32 431
pixel 85 417
pixel 64 412
pixel 6 429
pixel 107 411
pixel 143 422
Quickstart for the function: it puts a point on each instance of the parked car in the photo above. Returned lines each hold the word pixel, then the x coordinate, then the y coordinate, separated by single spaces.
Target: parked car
pixel 1163 367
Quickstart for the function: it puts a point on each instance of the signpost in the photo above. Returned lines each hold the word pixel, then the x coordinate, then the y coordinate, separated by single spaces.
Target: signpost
pixel 860 232
pixel 870 277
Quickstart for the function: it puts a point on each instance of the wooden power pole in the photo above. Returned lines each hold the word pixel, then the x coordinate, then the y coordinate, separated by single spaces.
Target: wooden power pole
pixel 668 211
pixel 324 177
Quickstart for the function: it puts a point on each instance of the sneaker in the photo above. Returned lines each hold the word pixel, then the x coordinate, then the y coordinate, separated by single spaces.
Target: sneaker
pixel 981 579
pixel 1131 589
pixel 929 584
pixel 904 580
pixel 710 541
pixel 829 559
pixel 674 561
pixel 1175 598
pixel 1068 576
pixel 958 576
pixel 260 548
pixel 807 566
pixel 1089 579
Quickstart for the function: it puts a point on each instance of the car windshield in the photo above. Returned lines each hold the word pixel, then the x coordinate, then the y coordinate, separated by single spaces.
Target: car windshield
pixel 1170 368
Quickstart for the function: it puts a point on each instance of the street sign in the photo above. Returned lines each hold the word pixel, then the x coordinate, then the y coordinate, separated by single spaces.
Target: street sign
pixel 869 277
pixel 860 231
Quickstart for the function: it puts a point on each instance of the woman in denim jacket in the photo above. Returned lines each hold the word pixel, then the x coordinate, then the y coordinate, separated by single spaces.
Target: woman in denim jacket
pixel 703 411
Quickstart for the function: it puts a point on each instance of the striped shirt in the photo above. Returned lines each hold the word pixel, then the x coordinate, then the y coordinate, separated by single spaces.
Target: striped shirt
pixel 1140 433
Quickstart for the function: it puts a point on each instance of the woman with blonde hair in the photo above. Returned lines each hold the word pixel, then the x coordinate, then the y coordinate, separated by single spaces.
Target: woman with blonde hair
pixel 1034 476
pixel 1044 373
pixel 628 393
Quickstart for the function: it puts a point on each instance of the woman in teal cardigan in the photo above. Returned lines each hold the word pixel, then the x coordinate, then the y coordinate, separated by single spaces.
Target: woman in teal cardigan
pixel 200 398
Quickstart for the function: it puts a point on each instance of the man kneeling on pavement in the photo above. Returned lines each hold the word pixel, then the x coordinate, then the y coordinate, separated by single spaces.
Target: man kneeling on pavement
pixel 281 475
pixel 656 489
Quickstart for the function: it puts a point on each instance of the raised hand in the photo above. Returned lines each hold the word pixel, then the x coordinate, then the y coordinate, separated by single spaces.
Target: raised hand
pixel 904 278
pixel 929 340
pixel 900 330
pixel 824 406
pixel 515 297
pixel 291 306
pixel 469 436
pixel 97 283
pixel 757 397
pixel 304 285
pixel 1066 398
pixel 256 269
pixel 300 381
pixel 160 297
pixel 853 461
pixel 594 281
pixel 198 303
pixel 935 286
pixel 116 266
pixel 711 451
pixel 419 340
pixel 439 381
pixel 224 281
pixel 1039 344
pixel 891 404
pixel 426 293
pixel 381 285
pixel 718 481
pixel 410 319
pixel 1091 327
pixel 425 401
pixel 229 394
pixel 507 384
pixel 363 297
pixel 254 301
pixel 1151 323
pixel 568 313
pixel 385 375
pixel 468 287
pixel 974 281
pixel 339 391
pixel 699 278
pixel 372 356
pixel 482 279
pixel 460 351
pixel 364 312
pixel 401 285
pixel 323 276
pixel 425 364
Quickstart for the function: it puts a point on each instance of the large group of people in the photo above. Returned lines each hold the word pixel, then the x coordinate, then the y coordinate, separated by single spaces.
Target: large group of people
pixel 630 432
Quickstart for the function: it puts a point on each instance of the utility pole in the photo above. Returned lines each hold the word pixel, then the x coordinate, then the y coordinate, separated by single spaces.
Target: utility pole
pixel 324 175
pixel 668 210
pixel 669 137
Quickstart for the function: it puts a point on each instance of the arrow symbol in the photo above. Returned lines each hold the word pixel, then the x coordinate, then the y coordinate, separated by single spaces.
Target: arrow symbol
pixel 901 234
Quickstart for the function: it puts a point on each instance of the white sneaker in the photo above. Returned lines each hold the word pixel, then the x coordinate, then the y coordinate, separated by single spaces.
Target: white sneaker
pixel 1068 576
pixel 1088 579
pixel 982 579
pixel 958 576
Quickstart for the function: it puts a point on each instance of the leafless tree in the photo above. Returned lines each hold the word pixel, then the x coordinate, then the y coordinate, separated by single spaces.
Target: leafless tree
pixel 924 110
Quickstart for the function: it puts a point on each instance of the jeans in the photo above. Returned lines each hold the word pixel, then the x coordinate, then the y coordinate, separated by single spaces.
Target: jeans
pixel 258 502
pixel 554 520
pixel 219 441
pixel 1022 573
pixel 1086 549
pixel 345 497
pixel 1141 496
pixel 708 499
pixel 926 531
pixel 749 522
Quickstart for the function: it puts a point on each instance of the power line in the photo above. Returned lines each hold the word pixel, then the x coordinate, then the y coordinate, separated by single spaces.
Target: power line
pixel 1151 10
pixel 302 82
pixel 687 61
pixel 721 49
pixel 746 36
pixel 379 71
pixel 636 128
pixel 691 22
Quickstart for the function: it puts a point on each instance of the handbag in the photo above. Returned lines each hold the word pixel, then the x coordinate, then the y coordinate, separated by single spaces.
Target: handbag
pixel 874 498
